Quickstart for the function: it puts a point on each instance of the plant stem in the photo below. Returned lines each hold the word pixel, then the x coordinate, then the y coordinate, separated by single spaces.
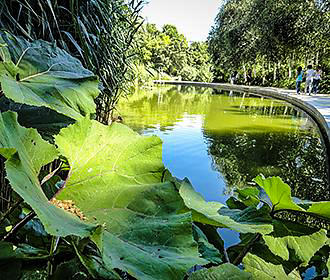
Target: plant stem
pixel 54 243
pixel 19 225
pixel 10 210
pixel 64 185
pixel 226 255
pixel 50 175
pixel 246 249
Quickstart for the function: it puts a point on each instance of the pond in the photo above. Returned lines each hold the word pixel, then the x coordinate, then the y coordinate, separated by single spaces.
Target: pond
pixel 221 140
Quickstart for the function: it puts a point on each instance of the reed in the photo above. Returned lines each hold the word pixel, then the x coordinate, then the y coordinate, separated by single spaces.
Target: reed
pixel 98 32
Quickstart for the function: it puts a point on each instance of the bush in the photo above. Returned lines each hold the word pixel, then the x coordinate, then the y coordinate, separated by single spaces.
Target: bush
pixel 325 84
pixel 204 74
pixel 188 73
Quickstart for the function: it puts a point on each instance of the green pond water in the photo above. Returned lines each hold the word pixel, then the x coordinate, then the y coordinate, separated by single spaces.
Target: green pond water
pixel 222 140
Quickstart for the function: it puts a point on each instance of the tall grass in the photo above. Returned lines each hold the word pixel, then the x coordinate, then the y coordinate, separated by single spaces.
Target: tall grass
pixel 98 32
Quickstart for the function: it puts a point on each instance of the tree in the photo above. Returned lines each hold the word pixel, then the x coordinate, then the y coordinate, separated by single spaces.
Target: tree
pixel 275 36
pixel 168 51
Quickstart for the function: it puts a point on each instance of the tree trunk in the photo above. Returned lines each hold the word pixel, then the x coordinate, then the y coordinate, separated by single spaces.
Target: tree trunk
pixel 290 70
pixel 285 111
pixel 244 69
pixel 242 102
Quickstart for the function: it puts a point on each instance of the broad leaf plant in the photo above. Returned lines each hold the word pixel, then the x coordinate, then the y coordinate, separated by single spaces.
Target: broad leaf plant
pixel 109 204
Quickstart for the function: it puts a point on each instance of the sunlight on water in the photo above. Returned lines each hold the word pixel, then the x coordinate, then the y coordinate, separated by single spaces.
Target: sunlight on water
pixel 185 148
pixel 221 140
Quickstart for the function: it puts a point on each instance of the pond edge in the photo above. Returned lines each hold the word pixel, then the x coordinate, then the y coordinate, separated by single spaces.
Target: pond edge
pixel 277 93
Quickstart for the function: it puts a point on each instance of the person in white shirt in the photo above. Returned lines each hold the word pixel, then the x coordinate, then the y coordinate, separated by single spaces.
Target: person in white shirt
pixel 316 79
pixel 309 79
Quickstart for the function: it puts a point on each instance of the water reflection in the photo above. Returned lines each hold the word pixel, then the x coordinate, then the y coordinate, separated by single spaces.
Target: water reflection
pixel 222 141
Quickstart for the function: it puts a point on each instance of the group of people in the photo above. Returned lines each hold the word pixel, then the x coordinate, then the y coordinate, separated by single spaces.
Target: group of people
pixel 234 77
pixel 312 78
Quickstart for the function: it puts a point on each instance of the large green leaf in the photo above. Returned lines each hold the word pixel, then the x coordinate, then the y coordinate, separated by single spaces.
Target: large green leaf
pixel 224 271
pixel 280 196
pixel 304 246
pixel 95 265
pixel 206 249
pixel 321 208
pixel 248 196
pixel 40 74
pixel 105 156
pixel 115 178
pixel 22 251
pixel 45 120
pixel 26 153
pixel 209 213
pixel 278 192
pixel 249 215
pixel 262 270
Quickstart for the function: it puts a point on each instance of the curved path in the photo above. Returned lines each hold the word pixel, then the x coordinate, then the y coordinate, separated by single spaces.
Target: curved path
pixel 317 106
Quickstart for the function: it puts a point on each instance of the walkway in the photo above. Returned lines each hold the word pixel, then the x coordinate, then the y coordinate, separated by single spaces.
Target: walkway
pixel 320 101
pixel 317 106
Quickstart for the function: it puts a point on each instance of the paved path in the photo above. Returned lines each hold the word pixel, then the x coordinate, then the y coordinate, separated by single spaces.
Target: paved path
pixel 320 101
pixel 317 106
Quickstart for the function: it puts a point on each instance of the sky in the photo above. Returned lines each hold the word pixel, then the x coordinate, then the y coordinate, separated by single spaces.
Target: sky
pixel 193 18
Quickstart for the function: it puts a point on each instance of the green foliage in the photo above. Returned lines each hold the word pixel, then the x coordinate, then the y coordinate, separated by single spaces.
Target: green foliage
pixel 140 214
pixel 129 199
pixel 224 271
pixel 204 73
pixel 26 152
pixel 99 33
pixel 280 197
pixel 141 222
pixel 278 192
pixel 206 249
pixel 320 208
pixel 249 196
pixel 304 246
pixel 271 38
pixel 209 213
pixel 262 270
pixel 39 74
pixel 167 51
pixel 188 73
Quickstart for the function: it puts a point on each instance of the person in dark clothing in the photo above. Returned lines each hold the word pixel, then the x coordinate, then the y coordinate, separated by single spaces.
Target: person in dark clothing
pixel 316 79
pixel 249 77
pixel 234 77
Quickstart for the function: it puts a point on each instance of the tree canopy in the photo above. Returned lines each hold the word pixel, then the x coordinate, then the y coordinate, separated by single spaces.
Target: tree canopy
pixel 250 32
pixel 168 51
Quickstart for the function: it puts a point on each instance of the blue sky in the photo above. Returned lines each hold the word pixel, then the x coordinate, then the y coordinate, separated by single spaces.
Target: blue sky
pixel 193 18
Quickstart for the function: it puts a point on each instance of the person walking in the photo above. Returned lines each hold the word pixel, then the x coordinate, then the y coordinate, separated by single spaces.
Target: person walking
pixel 309 79
pixel 249 77
pixel 299 79
pixel 316 79
pixel 234 77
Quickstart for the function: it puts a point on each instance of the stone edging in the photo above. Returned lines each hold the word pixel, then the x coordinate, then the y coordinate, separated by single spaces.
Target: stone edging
pixel 269 92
